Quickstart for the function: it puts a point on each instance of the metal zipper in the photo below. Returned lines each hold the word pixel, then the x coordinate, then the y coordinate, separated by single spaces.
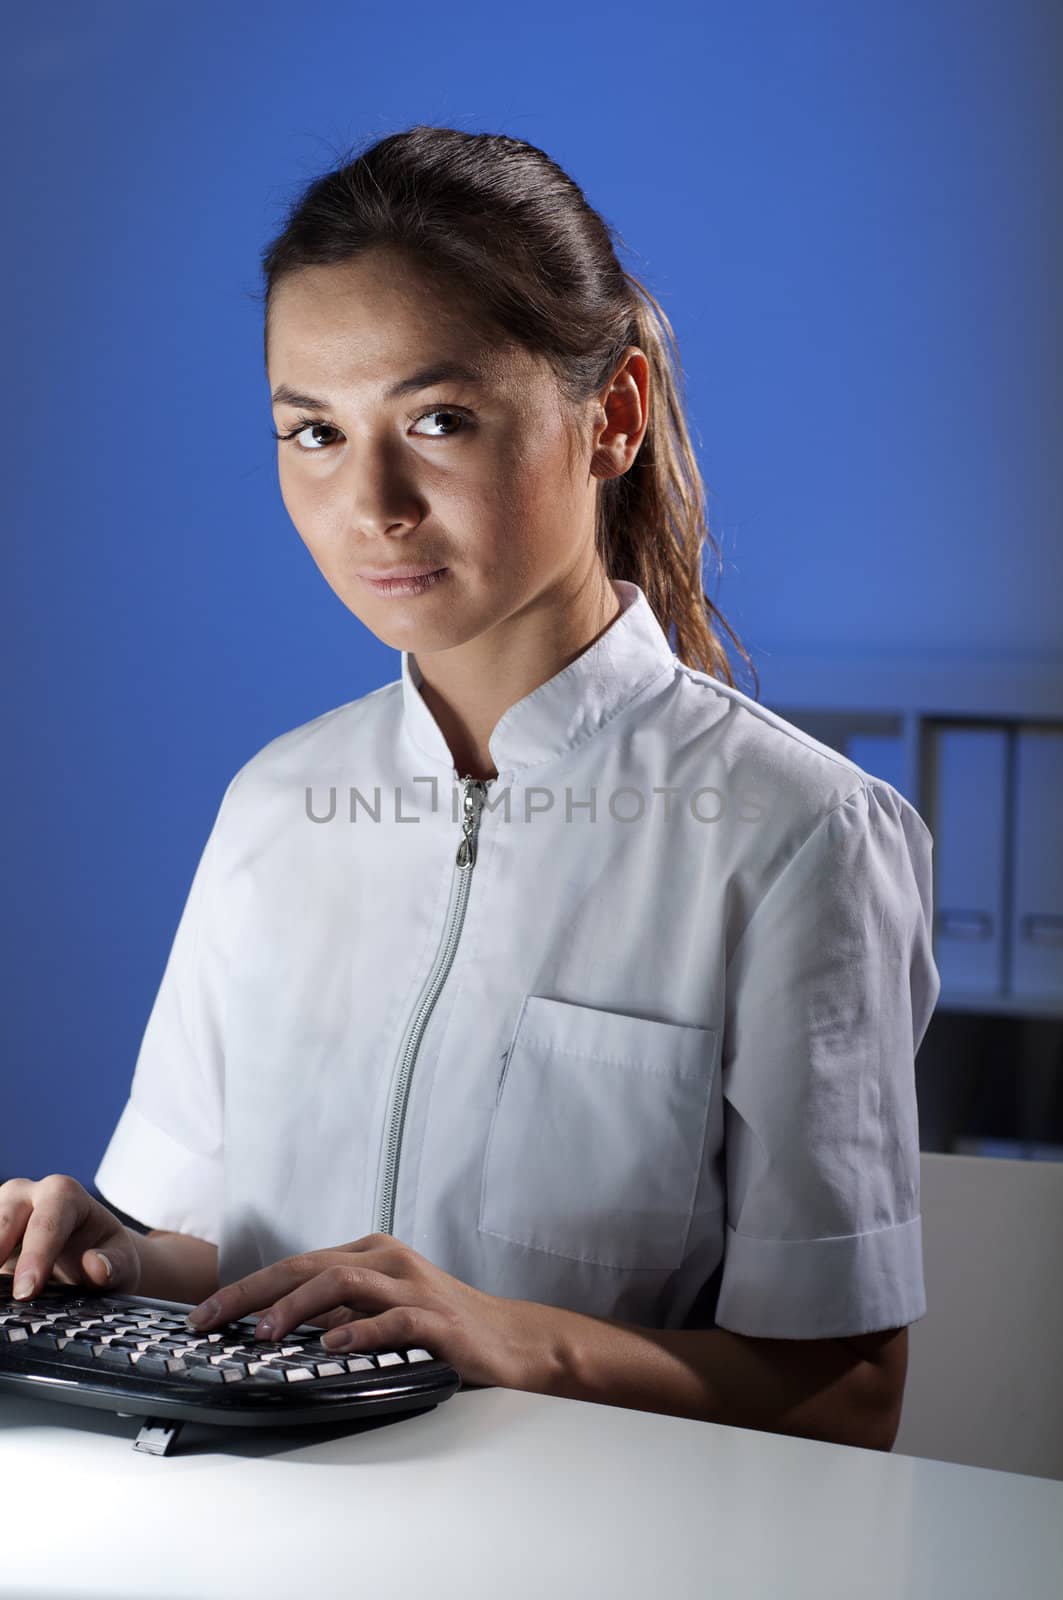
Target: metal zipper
pixel 474 793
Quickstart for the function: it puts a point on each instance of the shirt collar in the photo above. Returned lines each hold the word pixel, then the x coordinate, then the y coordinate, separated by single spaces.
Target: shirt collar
pixel 569 708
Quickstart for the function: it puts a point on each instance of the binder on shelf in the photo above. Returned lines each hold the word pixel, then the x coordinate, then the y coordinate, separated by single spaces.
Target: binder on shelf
pixel 1037 844
pixel 968 819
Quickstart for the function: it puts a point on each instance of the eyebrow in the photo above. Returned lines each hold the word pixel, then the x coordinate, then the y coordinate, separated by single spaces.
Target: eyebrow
pixel 424 378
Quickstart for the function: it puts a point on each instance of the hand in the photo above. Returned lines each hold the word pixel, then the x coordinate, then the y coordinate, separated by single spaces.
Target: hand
pixel 61 1232
pixel 390 1298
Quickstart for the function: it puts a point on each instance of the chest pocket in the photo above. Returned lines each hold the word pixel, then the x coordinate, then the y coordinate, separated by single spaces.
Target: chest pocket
pixel 597 1136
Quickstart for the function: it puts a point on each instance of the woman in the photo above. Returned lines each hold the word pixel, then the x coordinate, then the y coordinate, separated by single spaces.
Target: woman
pixel 603 1072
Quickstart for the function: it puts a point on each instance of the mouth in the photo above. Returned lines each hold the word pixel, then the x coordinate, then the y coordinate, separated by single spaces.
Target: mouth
pixel 419 583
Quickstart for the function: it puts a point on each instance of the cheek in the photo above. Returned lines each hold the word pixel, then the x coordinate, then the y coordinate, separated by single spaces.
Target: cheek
pixel 517 562
pixel 308 512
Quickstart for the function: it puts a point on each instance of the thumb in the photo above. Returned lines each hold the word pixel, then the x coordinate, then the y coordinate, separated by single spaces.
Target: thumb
pixel 99 1267
pixel 111 1264
pixel 115 1265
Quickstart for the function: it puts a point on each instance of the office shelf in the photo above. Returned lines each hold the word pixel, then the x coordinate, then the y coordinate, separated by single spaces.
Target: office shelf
pixel 976 745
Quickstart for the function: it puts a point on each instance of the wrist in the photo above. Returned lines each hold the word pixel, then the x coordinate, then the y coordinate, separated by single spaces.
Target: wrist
pixel 175 1266
pixel 546 1347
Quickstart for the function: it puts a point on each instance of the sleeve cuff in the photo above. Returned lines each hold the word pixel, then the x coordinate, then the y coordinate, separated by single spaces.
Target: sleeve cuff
pixel 148 1175
pixel 823 1288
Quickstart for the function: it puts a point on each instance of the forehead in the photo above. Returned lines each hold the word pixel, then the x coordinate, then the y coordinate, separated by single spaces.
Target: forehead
pixel 367 324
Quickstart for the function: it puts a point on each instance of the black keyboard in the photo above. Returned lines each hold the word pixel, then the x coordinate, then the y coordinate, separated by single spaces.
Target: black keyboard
pixel 138 1356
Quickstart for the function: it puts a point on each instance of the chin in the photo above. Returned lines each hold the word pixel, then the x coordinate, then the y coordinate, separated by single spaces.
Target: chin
pixel 407 631
pixel 417 622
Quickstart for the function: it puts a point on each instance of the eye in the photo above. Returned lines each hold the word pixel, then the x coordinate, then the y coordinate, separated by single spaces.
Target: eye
pixel 305 424
pixel 461 417
pixel 302 426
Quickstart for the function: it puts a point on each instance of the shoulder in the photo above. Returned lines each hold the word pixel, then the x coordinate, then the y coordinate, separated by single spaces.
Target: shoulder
pixel 792 780
pixel 787 809
pixel 324 750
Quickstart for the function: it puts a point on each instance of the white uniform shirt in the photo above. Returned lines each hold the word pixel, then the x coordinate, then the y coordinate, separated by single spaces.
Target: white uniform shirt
pixel 651 1056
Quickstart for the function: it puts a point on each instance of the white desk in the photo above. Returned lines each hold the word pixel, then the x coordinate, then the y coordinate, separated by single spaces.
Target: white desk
pixel 505 1495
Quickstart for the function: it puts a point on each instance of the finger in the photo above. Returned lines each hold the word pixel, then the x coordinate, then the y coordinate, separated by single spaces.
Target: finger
pixel 264 1290
pixel 57 1275
pixel 368 1241
pixel 400 1328
pixel 339 1283
pixel 15 1212
pixel 76 1227
pixel 336 1318
pixel 58 1206
pixel 248 1294
pixel 99 1252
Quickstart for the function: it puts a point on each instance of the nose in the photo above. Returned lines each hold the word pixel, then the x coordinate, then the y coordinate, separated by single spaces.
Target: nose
pixel 382 499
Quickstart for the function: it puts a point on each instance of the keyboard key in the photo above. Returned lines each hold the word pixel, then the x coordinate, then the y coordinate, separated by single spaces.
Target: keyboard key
pixel 266 1371
pixel 114 1358
pixel 207 1372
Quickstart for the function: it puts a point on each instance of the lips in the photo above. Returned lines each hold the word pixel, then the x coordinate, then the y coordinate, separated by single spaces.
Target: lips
pixel 394 573
pixel 408 586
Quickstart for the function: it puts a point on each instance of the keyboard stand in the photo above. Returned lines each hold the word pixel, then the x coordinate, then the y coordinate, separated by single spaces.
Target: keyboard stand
pixel 155 1436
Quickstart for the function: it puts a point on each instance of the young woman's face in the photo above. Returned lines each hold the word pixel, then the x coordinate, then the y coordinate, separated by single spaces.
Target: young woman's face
pixel 471 475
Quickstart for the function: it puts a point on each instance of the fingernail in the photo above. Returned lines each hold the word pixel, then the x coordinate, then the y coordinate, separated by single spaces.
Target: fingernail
pixel 106 1264
pixel 265 1329
pixel 340 1339
pixel 25 1283
pixel 204 1313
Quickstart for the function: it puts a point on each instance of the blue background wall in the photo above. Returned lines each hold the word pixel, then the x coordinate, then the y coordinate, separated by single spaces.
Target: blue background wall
pixel 849 211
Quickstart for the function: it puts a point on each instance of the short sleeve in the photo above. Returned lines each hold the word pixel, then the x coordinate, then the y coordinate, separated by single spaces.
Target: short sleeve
pixel 164 1162
pixel 829 993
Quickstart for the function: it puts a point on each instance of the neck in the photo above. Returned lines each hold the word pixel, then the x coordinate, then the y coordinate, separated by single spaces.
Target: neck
pixel 469 688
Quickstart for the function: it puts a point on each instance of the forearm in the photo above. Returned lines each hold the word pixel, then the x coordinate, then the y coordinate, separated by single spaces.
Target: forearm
pixel 816 1389
pixel 176 1266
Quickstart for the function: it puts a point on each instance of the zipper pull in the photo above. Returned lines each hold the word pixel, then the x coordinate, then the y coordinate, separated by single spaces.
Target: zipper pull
pixel 474 792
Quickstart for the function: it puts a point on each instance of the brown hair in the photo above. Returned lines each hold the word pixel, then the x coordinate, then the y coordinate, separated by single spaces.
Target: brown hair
pixel 509 231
